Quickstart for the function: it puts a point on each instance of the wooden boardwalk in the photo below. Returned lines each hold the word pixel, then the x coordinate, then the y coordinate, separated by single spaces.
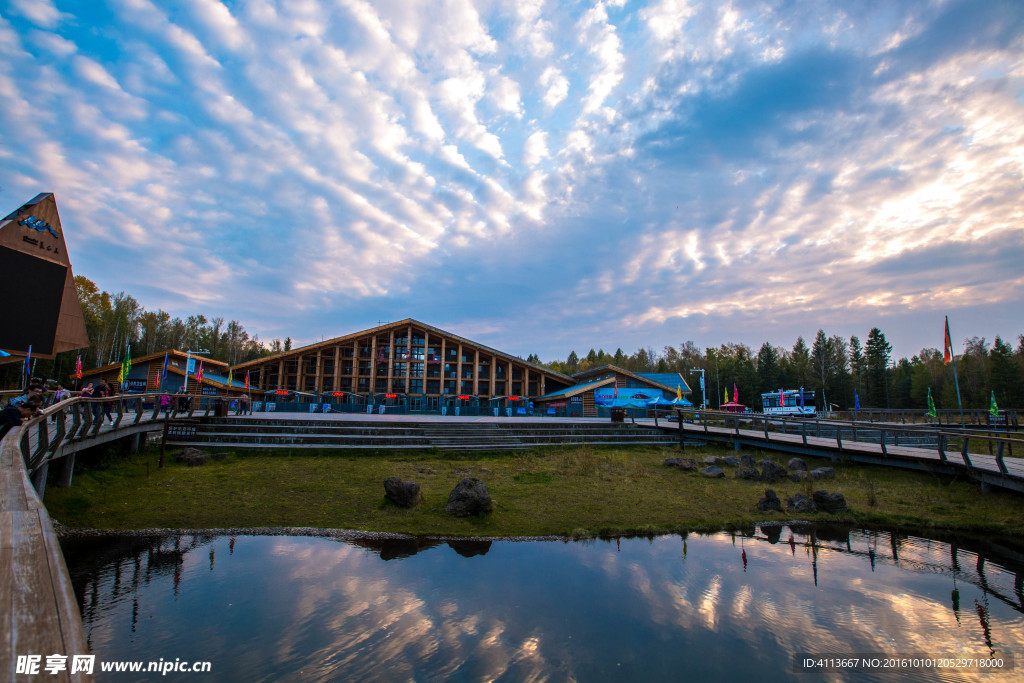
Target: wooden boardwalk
pixel 949 456
pixel 39 611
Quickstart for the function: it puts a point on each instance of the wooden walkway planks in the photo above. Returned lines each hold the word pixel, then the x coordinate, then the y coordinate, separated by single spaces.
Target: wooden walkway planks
pixel 982 466
pixel 39 612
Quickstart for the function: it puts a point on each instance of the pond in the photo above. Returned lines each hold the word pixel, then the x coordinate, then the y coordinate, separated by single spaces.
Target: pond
pixel 715 606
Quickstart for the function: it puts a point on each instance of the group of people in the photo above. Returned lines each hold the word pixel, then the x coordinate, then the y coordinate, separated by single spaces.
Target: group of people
pixel 22 408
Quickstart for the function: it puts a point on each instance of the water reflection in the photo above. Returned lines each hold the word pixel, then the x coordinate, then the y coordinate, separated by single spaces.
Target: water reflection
pixel 271 608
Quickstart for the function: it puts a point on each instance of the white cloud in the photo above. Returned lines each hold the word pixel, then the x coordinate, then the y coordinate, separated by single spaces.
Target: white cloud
pixel 556 85
pixel 535 149
pixel 40 12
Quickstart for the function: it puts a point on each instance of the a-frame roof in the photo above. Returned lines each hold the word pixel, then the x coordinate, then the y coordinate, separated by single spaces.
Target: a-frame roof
pixel 399 325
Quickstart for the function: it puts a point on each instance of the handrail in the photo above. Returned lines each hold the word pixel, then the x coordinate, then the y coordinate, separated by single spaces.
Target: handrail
pixel 885 435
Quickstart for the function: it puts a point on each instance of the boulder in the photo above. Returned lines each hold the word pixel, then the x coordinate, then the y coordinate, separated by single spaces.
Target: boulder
pixel 732 460
pixel 402 493
pixel 748 460
pixel 769 501
pixel 687 464
pixel 713 471
pixel 801 503
pixel 192 456
pixel 823 473
pixel 469 497
pixel 830 502
pixel 748 472
pixel 772 472
pixel 795 464
pixel 798 475
pixel 714 460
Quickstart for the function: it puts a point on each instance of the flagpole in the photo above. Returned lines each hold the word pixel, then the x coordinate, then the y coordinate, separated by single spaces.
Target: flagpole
pixel 956 382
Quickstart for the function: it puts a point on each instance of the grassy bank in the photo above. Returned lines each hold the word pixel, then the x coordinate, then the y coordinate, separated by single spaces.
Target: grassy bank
pixel 555 491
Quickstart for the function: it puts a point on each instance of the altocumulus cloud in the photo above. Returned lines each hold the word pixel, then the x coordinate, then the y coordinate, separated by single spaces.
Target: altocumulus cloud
pixel 543 176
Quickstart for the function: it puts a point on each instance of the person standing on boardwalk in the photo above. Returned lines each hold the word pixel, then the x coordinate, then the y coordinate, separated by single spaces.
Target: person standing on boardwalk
pixel 15 415
pixel 102 391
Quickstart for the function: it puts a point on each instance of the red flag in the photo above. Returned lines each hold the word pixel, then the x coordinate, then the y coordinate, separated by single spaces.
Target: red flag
pixel 735 394
pixel 947 350
pixel 199 373
pixel 246 379
pixel 78 367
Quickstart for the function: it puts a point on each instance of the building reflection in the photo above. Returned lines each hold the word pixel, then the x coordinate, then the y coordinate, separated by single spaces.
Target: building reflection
pixel 397 608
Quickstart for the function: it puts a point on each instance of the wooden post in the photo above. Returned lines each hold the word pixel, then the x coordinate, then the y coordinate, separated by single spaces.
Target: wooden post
pixel 682 432
pixel 163 446
pixel 67 471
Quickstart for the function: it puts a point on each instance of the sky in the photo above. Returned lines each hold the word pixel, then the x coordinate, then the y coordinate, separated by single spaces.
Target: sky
pixel 535 176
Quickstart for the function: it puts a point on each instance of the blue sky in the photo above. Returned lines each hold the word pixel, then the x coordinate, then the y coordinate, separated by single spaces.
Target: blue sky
pixel 537 176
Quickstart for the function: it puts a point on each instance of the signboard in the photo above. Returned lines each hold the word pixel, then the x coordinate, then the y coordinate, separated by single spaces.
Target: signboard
pixel 209 391
pixel 135 384
pixel 338 393
pixel 605 396
pixel 191 369
pixel 390 395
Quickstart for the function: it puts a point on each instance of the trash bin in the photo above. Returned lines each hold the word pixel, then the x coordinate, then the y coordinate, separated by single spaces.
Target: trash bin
pixel 618 414
pixel 220 408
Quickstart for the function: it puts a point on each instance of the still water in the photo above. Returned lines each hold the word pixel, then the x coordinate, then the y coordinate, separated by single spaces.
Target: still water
pixel 704 607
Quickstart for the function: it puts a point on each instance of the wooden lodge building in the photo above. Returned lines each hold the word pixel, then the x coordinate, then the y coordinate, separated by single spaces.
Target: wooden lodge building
pixel 146 374
pixel 412 364
pixel 405 363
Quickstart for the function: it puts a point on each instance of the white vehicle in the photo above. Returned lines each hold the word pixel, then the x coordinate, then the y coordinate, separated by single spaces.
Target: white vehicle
pixel 788 402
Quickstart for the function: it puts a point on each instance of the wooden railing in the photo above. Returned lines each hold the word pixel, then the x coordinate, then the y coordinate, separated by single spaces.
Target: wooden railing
pixel 885 435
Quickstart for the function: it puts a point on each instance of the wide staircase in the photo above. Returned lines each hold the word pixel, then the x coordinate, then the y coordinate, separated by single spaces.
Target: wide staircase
pixel 225 432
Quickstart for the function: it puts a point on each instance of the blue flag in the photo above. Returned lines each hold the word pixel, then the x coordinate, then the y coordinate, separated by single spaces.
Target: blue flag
pixel 163 375
pixel 27 358
pixel 856 400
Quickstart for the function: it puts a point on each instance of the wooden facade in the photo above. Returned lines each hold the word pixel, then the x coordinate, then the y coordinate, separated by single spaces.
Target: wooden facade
pixel 406 359
pixel 146 372
pixel 41 307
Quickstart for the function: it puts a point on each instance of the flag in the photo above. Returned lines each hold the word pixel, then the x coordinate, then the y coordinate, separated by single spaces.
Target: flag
pixel 801 397
pixel 27 357
pixel 163 373
pixel 126 366
pixel 230 370
pixel 616 394
pixel 782 398
pixel 856 400
pixel 199 373
pixel 947 349
pixel 78 367
pixel 735 393
pixel 931 405
pixel 3 353
pixel 246 379
pixel 725 393
pixel 993 409
pixel 679 393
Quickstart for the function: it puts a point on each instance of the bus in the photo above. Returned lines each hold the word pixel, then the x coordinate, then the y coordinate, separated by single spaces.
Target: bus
pixel 798 402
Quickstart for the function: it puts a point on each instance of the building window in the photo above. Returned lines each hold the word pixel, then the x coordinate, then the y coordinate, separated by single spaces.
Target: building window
pixel 415 386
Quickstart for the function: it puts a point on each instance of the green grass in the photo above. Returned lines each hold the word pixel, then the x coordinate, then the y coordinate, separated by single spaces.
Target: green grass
pixel 575 491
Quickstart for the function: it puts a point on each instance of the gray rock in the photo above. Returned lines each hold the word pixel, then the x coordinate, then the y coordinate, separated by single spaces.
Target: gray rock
pixel 748 460
pixel 801 503
pixel 713 471
pixel 823 473
pixel 747 472
pixel 772 472
pixel 714 460
pixel 732 460
pixel 830 502
pixel 795 464
pixel 770 501
pixel 798 475
pixel 687 464
pixel 469 497
pixel 402 493
pixel 192 456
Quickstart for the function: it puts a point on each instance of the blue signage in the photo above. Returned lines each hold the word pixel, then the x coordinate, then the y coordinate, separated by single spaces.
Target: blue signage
pixel 38 224
pixel 636 395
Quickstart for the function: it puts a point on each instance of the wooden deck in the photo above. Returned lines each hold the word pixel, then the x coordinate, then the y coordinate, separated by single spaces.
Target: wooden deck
pixel 40 613
pixel 990 470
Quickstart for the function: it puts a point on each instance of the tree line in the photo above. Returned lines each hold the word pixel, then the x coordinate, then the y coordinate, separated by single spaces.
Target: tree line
pixel 116 322
pixel 835 368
